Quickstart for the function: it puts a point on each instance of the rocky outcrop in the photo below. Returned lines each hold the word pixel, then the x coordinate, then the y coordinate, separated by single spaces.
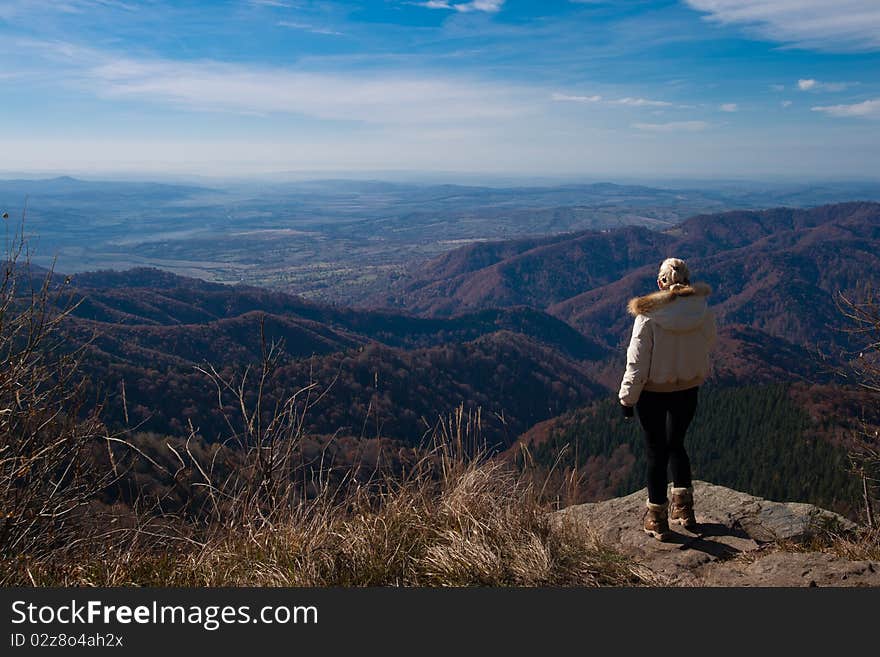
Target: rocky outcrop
pixel 736 544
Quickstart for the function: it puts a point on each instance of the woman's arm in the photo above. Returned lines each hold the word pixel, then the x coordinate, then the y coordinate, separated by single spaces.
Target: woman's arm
pixel 638 362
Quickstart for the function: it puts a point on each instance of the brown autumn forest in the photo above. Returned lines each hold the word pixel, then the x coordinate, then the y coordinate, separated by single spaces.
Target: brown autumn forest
pixel 525 330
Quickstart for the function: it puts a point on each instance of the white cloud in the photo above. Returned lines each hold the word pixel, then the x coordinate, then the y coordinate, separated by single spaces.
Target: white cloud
pixel 640 102
pixel 866 109
pixel 481 5
pixel 307 27
pixel 576 99
pixel 488 6
pixel 628 101
pixel 728 107
pixel 272 3
pixel 831 25
pixel 382 97
pixel 809 84
pixel 16 9
pixel 673 126
pixel 785 103
pixel 377 98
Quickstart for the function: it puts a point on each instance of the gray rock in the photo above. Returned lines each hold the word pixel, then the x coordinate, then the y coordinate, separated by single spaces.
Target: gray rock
pixel 794 569
pixel 729 546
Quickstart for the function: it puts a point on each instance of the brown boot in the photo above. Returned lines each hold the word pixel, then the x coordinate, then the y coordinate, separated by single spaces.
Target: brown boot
pixel 656 522
pixel 682 509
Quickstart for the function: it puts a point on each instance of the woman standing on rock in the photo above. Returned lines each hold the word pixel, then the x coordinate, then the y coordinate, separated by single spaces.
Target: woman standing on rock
pixel 666 361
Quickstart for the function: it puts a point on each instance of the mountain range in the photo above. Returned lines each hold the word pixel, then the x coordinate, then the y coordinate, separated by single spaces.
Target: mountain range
pixel 525 330
pixel 775 273
pixel 393 371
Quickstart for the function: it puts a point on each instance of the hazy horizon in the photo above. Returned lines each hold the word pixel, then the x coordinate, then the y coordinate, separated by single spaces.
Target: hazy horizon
pixel 428 178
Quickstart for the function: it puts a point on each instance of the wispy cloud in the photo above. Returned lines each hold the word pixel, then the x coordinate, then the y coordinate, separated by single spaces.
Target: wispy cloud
pixel 640 102
pixel 728 107
pixel 785 103
pixel 10 9
pixel 272 3
pixel 60 53
pixel 840 26
pixel 869 109
pixel 672 126
pixel 488 6
pixel 575 99
pixel 809 84
pixel 628 101
pixel 307 27
pixel 384 98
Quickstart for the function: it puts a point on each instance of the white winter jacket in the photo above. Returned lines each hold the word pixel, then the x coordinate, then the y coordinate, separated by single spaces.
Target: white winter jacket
pixel 673 333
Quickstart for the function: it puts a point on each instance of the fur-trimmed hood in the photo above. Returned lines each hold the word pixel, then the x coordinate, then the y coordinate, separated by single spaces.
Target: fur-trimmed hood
pixel 679 308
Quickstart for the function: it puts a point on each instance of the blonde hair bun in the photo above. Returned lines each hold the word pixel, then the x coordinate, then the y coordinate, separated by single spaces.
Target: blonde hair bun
pixel 673 271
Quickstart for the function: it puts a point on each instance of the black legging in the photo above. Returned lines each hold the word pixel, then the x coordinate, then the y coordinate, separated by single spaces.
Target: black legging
pixel 665 417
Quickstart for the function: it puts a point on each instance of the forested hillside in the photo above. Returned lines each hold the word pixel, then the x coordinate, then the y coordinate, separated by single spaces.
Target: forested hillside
pixel 776 271
pixel 754 438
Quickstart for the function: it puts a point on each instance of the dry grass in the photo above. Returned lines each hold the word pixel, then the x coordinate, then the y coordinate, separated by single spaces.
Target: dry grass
pixel 479 525
pixel 860 544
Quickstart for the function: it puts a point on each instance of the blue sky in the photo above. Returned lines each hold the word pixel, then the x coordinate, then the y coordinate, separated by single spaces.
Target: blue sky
pixel 662 88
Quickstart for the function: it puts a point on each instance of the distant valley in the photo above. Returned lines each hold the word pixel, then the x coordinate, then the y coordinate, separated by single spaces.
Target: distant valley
pixel 343 241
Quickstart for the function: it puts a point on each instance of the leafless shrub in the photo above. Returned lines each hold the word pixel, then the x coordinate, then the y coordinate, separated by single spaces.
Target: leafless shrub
pixel 863 317
pixel 47 440
pixel 271 468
